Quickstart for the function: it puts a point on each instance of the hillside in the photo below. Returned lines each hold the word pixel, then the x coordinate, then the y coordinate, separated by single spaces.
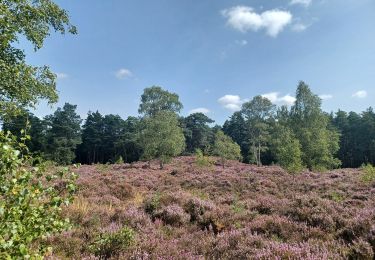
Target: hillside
pixel 242 211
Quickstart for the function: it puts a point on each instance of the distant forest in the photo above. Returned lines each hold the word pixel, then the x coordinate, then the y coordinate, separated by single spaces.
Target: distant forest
pixel 302 136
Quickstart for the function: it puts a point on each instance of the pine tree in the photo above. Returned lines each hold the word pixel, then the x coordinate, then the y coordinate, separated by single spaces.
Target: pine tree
pixel 63 135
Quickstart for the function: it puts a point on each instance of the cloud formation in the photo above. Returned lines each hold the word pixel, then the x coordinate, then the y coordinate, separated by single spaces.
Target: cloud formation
pixel 360 94
pixel 202 110
pixel 299 27
pixel 60 75
pixel 275 98
pixel 305 3
pixel 325 96
pixel 244 18
pixel 231 102
pixel 241 42
pixel 123 73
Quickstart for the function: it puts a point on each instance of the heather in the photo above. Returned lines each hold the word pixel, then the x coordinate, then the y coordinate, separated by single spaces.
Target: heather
pixel 187 211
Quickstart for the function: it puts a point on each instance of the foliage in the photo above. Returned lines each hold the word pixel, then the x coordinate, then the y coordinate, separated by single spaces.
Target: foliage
pixel 197 132
pixel 112 242
pixel 162 137
pixel 310 126
pixel 226 148
pixel 287 149
pixel 106 138
pixel 236 128
pixel 30 201
pixel 368 173
pixel 22 84
pixel 357 137
pixel 63 135
pixel 258 113
pixel 155 99
pixel 35 128
pixel 202 160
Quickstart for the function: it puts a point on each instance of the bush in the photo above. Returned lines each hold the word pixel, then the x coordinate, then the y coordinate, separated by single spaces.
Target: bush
pixel 201 160
pixel 31 201
pixel 368 173
pixel 173 215
pixel 112 242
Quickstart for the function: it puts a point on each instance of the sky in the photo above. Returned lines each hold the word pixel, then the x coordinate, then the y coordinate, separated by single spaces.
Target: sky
pixel 215 54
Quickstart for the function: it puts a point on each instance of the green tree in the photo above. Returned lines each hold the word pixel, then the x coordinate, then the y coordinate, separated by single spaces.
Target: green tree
pixel 21 84
pixel 155 99
pixel 63 135
pixel 310 126
pixel 162 137
pixel 236 128
pixel 34 127
pixel 226 148
pixel 197 132
pixel 90 150
pixel 259 113
pixel 287 149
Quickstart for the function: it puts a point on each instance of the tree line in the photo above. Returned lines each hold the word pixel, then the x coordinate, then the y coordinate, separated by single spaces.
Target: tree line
pixel 302 136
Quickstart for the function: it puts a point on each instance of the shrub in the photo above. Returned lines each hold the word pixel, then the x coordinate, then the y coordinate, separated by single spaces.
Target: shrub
pixel 173 215
pixel 201 160
pixel 368 173
pixel 112 242
pixel 361 250
pixel 31 201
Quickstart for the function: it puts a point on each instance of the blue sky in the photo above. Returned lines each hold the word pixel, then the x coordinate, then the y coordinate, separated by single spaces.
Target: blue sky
pixel 215 54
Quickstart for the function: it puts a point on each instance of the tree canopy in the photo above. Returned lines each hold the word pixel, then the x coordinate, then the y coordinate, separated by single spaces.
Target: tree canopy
pixel 21 84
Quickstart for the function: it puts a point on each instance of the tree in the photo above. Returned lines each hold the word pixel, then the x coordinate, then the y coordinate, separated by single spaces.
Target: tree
pixel 63 135
pixel 258 114
pixel 226 148
pixel 30 206
pixel 310 126
pixel 235 128
pixel 155 99
pixel 287 149
pixel 197 132
pixel 162 137
pixel 26 122
pixel 90 150
pixel 22 85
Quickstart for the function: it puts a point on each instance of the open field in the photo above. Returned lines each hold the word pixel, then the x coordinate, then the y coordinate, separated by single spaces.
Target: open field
pixel 240 212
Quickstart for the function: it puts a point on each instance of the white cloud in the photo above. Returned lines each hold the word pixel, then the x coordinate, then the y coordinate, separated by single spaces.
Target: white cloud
pixel 60 75
pixel 202 110
pixel 305 3
pixel 325 96
pixel 299 27
pixel 241 42
pixel 231 102
pixel 244 18
pixel 275 98
pixel 360 94
pixel 123 73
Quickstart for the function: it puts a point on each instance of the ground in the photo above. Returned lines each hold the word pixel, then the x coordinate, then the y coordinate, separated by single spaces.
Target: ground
pixel 186 211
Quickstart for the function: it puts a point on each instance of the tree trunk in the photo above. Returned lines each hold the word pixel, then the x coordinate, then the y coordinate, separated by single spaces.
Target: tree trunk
pixel 161 165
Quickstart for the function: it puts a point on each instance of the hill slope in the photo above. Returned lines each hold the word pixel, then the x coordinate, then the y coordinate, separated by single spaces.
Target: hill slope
pixel 240 212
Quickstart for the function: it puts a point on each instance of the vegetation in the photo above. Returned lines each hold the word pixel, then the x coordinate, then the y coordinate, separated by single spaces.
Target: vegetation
pixel 226 148
pixel 30 202
pixel 368 174
pixel 22 84
pixel 162 137
pixel 240 212
pixel 31 198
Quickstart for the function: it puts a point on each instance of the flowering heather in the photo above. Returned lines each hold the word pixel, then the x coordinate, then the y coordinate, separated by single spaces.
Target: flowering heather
pixel 240 212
